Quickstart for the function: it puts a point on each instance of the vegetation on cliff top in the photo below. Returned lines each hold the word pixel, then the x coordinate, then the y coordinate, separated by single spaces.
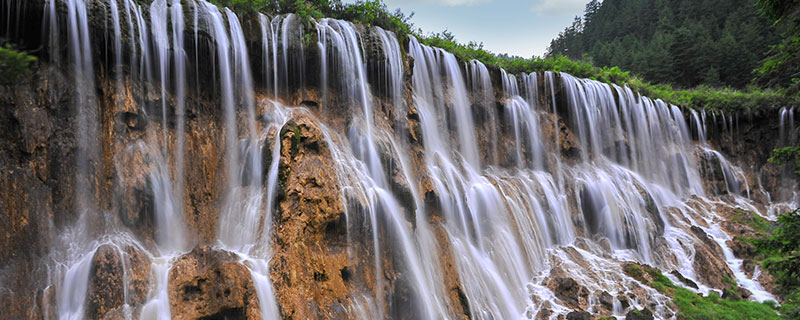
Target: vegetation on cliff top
pixel 751 31
pixel 367 12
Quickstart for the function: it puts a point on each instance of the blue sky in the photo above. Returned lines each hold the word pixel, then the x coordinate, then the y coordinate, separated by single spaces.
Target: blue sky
pixel 517 27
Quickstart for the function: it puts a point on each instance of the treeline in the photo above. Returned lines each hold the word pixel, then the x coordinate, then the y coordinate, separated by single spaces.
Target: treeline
pixel 683 42
pixel 782 67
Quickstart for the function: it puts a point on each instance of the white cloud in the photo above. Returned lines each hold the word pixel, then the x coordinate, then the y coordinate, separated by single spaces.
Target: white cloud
pixel 559 7
pixel 447 3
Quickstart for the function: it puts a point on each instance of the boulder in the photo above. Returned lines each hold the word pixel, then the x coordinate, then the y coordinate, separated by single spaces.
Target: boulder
pixel 570 292
pixel 579 315
pixel 211 284
pixel 607 300
pixel 686 281
pixel 106 287
pixel 106 291
pixel 644 314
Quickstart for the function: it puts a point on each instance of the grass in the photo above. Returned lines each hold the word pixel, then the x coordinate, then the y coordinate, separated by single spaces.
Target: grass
pixel 753 220
pixel 692 306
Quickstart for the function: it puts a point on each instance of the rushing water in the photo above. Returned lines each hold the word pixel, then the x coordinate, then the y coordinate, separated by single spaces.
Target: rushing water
pixel 534 175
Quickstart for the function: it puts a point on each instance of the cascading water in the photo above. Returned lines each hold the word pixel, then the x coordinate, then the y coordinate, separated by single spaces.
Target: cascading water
pixel 510 194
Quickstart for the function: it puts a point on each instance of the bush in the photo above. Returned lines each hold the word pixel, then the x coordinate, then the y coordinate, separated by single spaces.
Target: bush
pixel 786 155
pixel 782 252
pixel 14 63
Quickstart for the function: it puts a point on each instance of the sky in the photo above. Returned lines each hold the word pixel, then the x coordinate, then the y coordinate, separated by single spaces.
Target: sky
pixel 517 27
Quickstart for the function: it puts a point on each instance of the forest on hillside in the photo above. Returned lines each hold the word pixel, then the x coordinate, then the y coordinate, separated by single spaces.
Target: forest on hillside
pixel 683 42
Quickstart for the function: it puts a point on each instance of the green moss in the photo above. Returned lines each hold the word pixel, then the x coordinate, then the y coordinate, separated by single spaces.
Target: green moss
pixel 633 270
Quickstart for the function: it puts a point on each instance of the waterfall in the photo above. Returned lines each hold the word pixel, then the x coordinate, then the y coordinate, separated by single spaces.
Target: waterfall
pixel 523 118
pixel 464 189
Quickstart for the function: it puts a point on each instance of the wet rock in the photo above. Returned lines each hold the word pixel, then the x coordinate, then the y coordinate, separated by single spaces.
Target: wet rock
pixel 457 299
pixel 711 173
pixel 106 287
pixel 211 284
pixel 26 206
pixel 709 261
pixel 138 265
pixel 110 266
pixel 310 231
pixel 741 249
pixel 686 281
pixel 35 128
pixel 624 301
pixel 568 290
pixel 134 191
pixel 579 315
pixel 607 300
pixel 644 314
pixel 736 294
pixel 749 267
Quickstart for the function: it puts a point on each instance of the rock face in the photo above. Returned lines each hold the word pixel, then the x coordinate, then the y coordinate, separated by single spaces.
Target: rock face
pixel 310 269
pixel 210 284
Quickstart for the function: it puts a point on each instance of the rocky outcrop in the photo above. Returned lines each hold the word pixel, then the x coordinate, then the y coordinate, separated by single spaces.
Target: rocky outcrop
pixel 112 270
pixel 570 292
pixel 211 284
pixel 579 315
pixel 709 262
pixel 644 314
pixel 311 272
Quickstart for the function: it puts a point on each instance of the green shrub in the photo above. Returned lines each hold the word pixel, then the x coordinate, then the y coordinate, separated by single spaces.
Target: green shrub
pixel 786 155
pixel 14 63
pixel 782 252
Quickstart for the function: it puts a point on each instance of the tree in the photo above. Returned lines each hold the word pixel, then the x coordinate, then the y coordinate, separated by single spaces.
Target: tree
pixel 729 36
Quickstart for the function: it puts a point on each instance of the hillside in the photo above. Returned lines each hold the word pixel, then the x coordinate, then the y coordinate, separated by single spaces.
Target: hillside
pixel 685 42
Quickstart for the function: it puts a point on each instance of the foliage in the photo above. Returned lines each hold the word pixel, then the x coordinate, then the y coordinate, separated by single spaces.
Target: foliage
pixel 781 67
pixel 785 155
pixel 367 12
pixel 780 255
pixel 783 252
pixel 14 63
pixel 684 42
pixel 790 309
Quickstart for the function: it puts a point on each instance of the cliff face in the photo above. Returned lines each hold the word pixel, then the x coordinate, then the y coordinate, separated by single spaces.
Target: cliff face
pixel 325 170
